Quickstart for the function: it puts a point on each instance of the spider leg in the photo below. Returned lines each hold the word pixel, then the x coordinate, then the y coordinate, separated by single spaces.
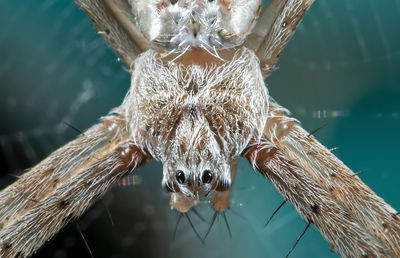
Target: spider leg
pixel 313 202
pixel 115 22
pixel 345 187
pixel 65 185
pixel 274 28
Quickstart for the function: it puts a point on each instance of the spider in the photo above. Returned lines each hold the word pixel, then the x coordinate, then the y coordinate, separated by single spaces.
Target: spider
pixel 197 102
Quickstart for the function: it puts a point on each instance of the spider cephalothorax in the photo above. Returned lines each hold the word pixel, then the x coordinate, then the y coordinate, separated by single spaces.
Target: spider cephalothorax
pixel 183 24
pixel 194 119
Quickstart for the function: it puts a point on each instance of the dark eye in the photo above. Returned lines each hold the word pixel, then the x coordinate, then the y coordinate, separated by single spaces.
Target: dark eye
pixel 206 177
pixel 180 177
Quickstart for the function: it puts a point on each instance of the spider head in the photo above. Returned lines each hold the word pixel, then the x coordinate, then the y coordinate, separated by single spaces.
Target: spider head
pixel 196 181
pixel 183 24
pixel 195 160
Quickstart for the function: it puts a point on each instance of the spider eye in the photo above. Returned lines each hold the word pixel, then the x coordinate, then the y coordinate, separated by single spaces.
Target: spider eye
pixel 206 177
pixel 180 177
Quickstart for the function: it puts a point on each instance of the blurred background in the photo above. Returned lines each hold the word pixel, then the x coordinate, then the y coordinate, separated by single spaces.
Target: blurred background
pixel 342 68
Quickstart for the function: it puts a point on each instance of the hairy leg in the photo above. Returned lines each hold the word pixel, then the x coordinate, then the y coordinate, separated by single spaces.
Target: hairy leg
pixel 325 169
pixel 64 185
pixel 315 204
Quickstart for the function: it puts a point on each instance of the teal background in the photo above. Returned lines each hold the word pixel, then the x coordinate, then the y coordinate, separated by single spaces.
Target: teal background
pixel 342 67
